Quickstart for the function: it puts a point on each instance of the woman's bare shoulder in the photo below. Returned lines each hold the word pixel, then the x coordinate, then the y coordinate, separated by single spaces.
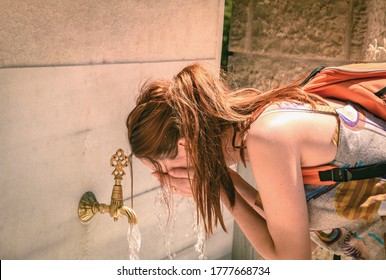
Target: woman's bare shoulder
pixel 309 133
pixel 278 125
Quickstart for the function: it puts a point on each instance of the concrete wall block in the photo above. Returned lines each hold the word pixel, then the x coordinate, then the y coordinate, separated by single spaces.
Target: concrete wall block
pixel 59 128
pixel 300 28
pixel 97 32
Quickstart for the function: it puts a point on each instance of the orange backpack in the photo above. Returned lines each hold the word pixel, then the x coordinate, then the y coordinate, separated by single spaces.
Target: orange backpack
pixel 364 84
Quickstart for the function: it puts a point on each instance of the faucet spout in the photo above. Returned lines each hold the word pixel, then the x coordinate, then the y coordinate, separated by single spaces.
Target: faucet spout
pixel 131 215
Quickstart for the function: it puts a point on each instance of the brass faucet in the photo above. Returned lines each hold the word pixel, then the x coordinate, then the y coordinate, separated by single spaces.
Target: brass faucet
pixel 89 206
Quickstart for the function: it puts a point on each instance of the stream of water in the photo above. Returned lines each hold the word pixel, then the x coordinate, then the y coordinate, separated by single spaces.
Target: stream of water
pixel 134 239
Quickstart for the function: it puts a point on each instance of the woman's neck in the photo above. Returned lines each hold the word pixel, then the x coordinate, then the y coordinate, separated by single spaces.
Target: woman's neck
pixel 232 154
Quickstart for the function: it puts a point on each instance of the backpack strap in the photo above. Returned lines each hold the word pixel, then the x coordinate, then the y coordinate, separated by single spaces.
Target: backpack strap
pixel 311 75
pixel 380 93
pixel 353 173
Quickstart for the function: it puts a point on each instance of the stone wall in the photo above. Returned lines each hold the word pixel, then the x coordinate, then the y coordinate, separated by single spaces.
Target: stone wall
pixel 274 42
pixel 278 41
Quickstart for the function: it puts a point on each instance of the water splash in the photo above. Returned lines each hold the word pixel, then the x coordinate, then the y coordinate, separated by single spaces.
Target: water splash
pixel 166 207
pixel 134 239
pixel 166 210
pixel 199 247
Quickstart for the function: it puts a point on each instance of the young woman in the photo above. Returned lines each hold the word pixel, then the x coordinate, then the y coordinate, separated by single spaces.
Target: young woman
pixel 189 130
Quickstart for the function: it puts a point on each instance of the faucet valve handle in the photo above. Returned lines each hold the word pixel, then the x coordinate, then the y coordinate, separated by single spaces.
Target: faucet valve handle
pixel 119 160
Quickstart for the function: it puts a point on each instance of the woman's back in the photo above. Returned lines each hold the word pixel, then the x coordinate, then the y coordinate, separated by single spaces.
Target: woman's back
pixel 345 136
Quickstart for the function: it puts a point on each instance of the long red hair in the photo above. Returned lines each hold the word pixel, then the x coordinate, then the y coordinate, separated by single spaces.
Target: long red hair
pixel 197 105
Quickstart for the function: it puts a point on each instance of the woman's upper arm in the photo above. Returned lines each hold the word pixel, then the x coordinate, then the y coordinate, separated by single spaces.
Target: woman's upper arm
pixel 274 151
